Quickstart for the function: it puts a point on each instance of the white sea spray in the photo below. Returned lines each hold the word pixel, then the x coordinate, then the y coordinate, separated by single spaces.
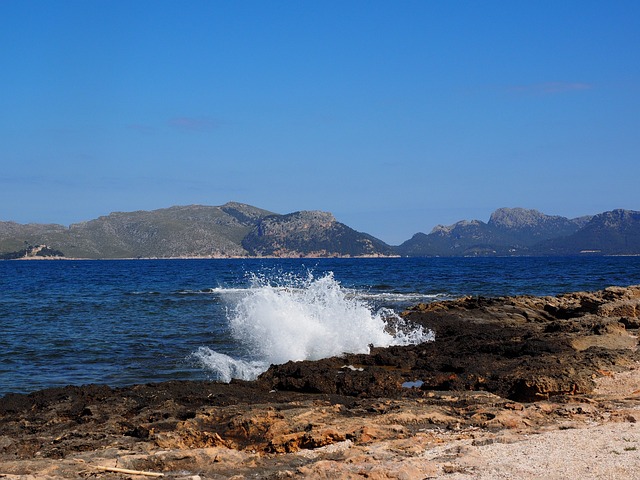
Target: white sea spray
pixel 224 368
pixel 291 318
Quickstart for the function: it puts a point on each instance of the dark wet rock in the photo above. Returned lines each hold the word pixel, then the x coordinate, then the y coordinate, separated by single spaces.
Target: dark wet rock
pixel 521 348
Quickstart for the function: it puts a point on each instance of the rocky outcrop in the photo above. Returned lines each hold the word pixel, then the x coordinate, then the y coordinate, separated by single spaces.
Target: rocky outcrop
pixel 609 233
pixel 520 348
pixel 534 223
pixel 521 227
pixel 510 231
pixel 310 234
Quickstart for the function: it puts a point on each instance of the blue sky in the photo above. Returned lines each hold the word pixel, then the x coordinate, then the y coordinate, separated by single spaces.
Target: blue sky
pixel 395 116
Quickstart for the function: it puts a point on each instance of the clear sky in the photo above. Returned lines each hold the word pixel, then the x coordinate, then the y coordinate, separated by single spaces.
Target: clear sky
pixel 395 116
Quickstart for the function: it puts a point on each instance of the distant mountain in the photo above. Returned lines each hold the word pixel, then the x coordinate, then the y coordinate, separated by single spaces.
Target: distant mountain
pixel 231 230
pixel 519 226
pixel 510 231
pixel 240 230
pixel 517 231
pixel 15 237
pixel 185 231
pixel 312 233
pixel 609 233
pixel 460 239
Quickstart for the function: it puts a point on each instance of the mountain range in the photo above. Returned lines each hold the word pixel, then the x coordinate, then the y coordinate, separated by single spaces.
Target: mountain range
pixel 240 230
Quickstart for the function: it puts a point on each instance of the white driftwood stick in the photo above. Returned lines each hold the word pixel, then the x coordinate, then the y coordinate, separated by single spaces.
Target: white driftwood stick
pixel 130 472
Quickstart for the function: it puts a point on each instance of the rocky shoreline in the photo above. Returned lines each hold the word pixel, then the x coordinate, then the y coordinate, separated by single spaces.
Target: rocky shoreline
pixel 511 388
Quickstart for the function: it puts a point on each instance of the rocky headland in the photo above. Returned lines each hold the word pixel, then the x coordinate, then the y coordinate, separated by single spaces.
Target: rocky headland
pixel 238 230
pixel 512 387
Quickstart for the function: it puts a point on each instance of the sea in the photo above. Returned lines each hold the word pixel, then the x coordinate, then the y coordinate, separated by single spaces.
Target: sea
pixel 123 322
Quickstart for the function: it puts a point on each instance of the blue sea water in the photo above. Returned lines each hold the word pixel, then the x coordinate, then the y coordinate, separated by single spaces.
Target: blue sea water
pixel 122 322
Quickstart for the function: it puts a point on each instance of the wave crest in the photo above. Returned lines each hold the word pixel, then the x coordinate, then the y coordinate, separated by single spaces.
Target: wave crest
pixel 292 318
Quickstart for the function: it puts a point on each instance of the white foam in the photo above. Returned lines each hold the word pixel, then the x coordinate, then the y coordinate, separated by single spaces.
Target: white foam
pixel 224 368
pixel 295 318
pixel 399 298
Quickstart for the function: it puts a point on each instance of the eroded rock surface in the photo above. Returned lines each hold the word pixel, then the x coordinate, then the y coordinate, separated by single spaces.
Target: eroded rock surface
pixel 522 348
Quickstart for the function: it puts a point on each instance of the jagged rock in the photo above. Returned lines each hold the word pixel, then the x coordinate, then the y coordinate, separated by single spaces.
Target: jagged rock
pixel 510 231
pixel 610 233
pixel 534 224
pixel 310 233
pixel 523 348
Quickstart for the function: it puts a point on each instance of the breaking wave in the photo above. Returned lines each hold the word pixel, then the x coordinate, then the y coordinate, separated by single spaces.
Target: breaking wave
pixel 301 318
